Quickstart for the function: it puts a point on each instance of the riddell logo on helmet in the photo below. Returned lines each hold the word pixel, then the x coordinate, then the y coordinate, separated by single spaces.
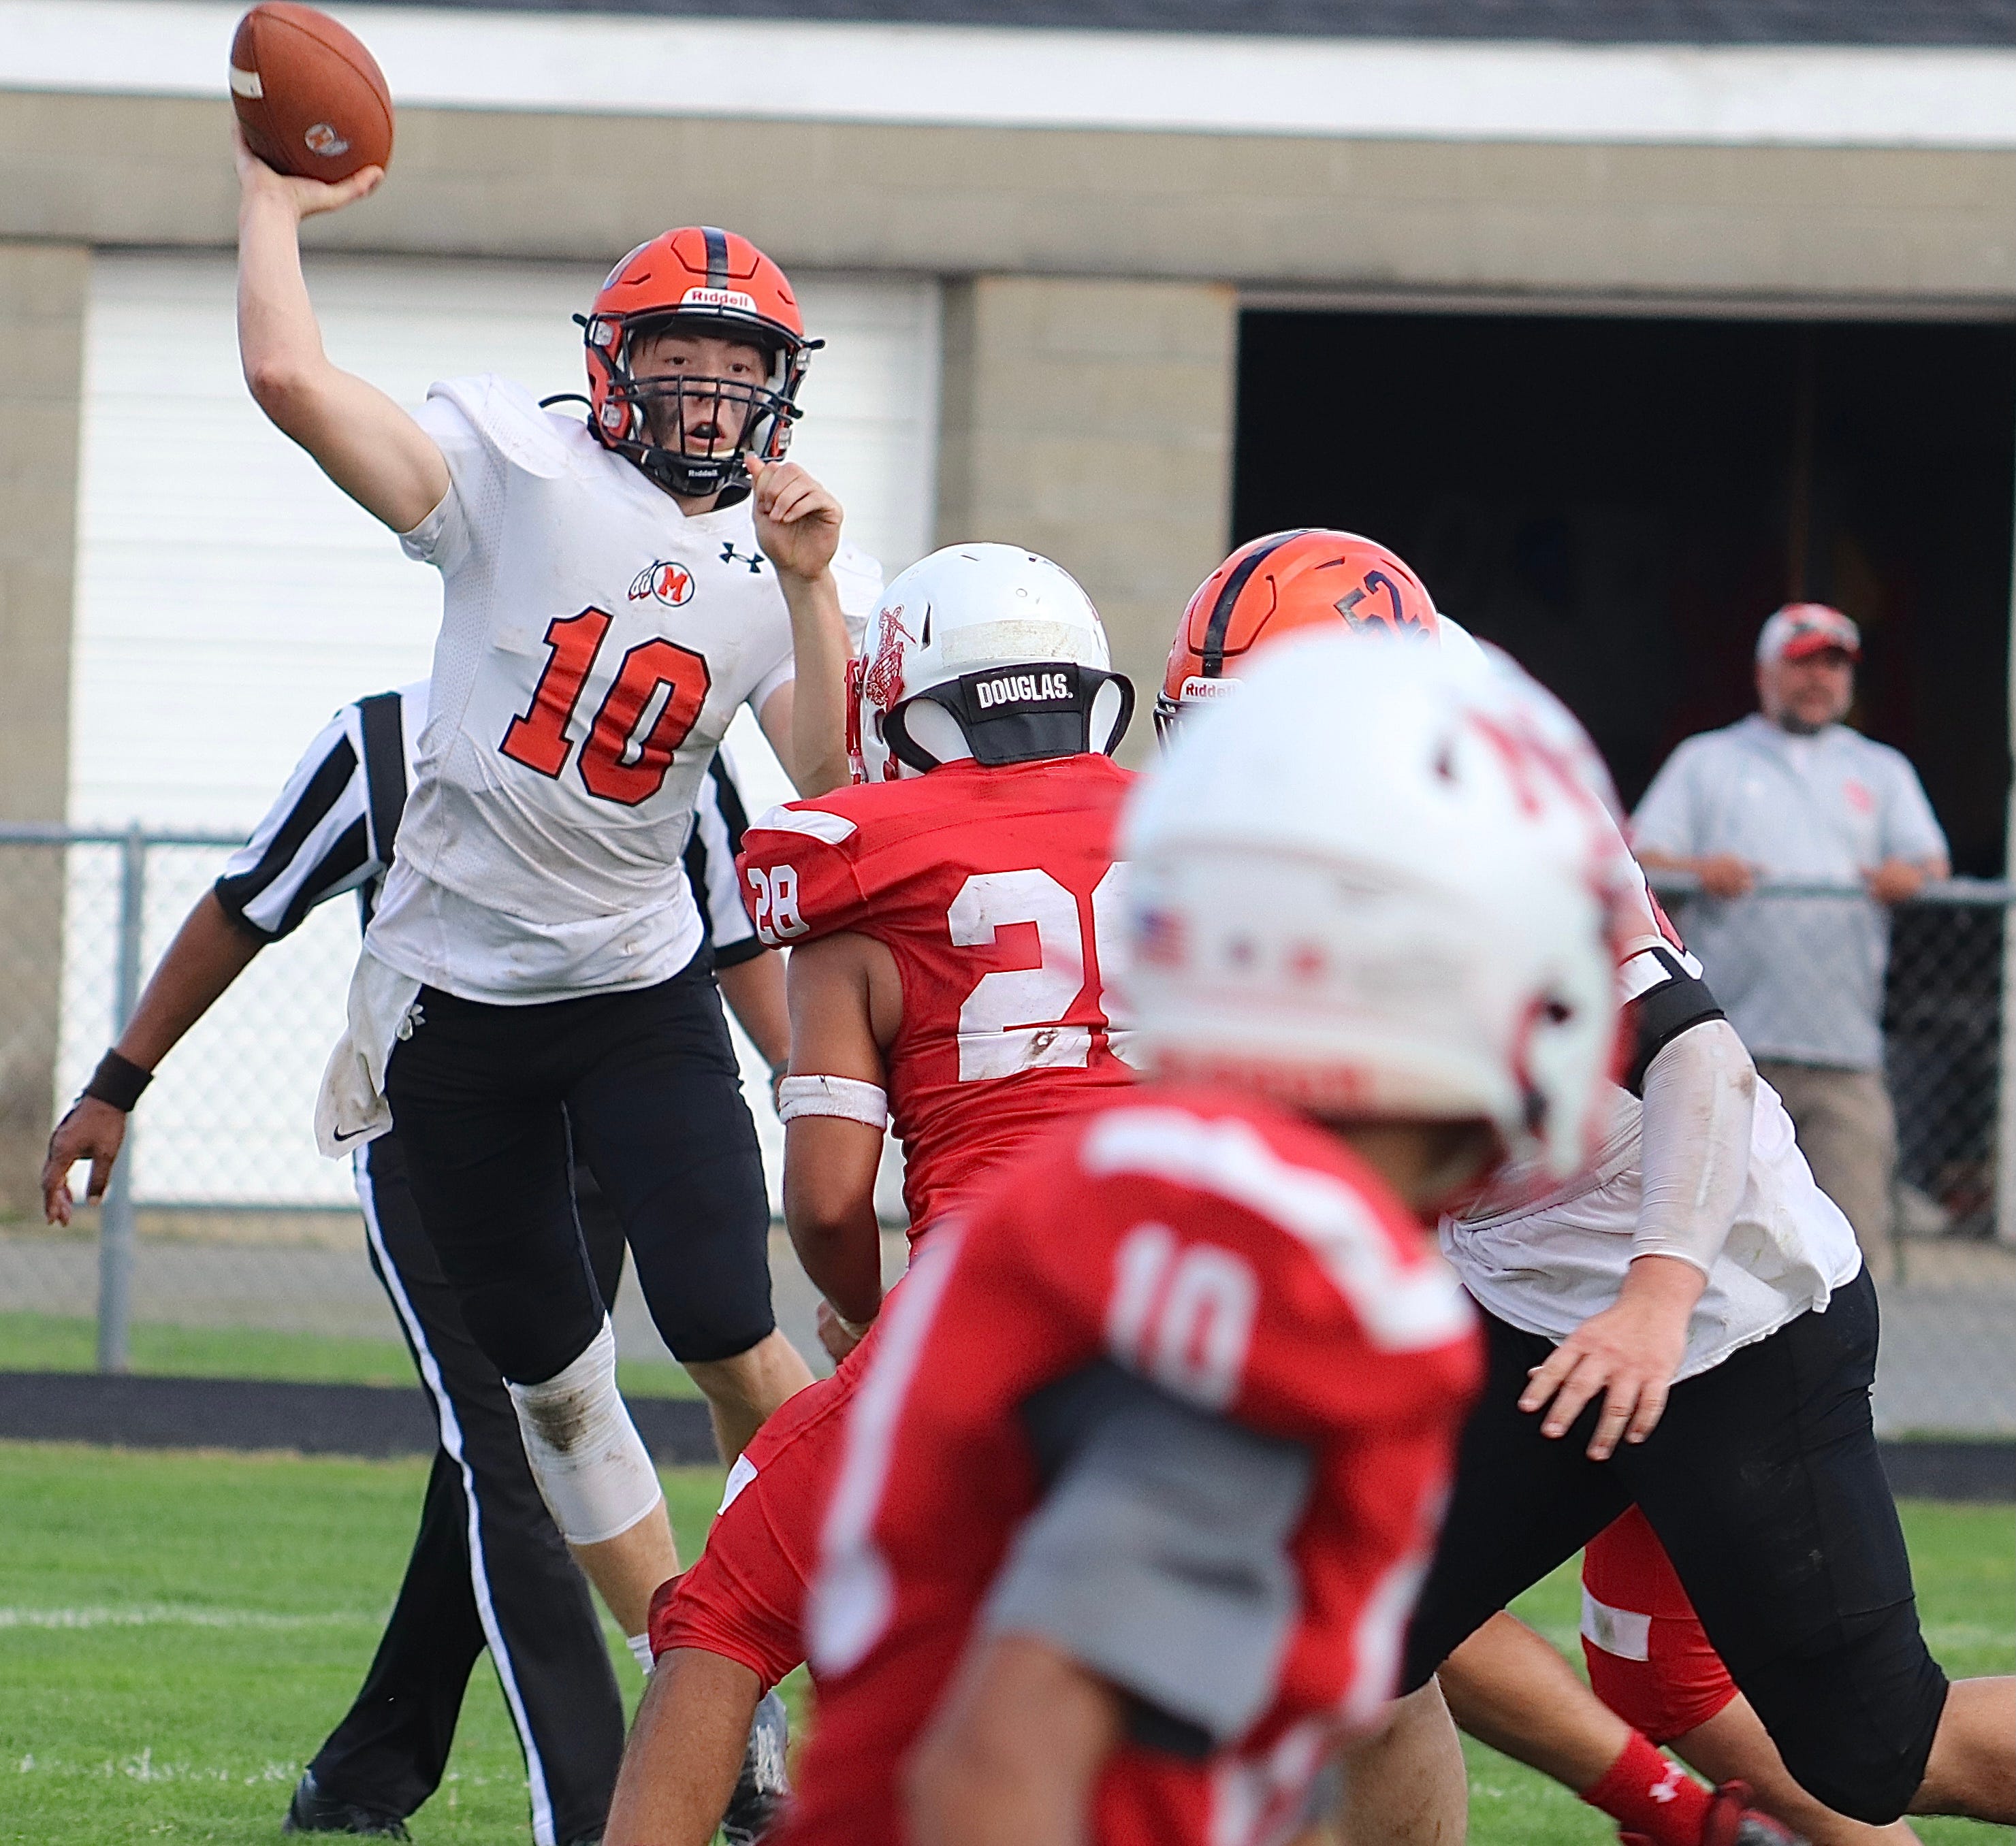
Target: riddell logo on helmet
pixel 664 583
pixel 1195 688
pixel 706 297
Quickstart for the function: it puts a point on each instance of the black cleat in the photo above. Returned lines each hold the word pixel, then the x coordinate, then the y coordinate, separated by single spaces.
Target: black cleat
pixel 311 1812
pixel 1733 1821
pixel 762 1788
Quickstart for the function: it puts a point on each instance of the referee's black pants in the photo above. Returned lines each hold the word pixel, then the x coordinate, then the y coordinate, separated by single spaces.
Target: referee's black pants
pixel 488 1569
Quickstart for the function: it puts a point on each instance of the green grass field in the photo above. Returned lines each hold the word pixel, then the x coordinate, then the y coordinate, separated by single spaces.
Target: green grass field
pixel 57 1343
pixel 178 1630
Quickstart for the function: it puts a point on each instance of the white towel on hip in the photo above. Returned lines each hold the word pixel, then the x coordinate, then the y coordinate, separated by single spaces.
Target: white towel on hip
pixel 351 1107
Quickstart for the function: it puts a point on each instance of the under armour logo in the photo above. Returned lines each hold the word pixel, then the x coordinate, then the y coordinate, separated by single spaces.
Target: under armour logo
pixel 755 560
pixel 414 1016
pixel 1668 1788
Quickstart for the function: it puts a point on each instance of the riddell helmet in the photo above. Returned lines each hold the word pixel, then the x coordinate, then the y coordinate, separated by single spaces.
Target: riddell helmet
pixel 1311 578
pixel 708 283
pixel 986 651
pixel 1370 887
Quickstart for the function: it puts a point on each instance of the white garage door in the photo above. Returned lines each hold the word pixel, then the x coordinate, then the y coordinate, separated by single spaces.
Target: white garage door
pixel 228 599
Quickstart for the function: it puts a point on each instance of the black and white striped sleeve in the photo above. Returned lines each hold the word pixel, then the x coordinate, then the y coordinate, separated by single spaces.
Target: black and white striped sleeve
pixel 719 818
pixel 314 844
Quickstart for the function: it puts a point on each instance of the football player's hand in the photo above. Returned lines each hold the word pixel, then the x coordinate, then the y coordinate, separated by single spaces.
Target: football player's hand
pixel 834 1334
pixel 94 1132
pixel 797 521
pixel 1895 881
pixel 1627 1355
pixel 1723 875
pixel 305 198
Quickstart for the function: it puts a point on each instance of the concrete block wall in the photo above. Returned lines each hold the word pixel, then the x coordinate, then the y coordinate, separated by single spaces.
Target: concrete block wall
pixel 1091 420
pixel 43 288
pixel 1764 223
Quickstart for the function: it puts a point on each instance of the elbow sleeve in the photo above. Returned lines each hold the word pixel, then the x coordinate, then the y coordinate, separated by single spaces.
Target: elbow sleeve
pixel 1700 1090
pixel 1667 996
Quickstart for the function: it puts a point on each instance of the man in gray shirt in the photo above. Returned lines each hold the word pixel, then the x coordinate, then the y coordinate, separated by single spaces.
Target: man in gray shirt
pixel 1792 795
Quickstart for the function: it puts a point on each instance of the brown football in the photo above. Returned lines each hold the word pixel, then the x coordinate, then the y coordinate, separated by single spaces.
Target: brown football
pixel 311 98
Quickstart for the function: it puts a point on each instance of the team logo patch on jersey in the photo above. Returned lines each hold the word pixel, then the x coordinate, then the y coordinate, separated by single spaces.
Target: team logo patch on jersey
pixel 663 582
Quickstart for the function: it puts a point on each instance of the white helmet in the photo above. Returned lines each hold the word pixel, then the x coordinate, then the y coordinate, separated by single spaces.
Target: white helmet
pixel 985 651
pixel 1371 886
pixel 1485 661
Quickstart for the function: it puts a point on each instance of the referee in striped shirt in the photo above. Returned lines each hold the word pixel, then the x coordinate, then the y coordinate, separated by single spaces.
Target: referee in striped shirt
pixel 488 1569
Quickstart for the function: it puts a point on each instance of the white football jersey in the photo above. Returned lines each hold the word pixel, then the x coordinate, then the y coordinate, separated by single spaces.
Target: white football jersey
pixel 595 643
pixel 1544 1258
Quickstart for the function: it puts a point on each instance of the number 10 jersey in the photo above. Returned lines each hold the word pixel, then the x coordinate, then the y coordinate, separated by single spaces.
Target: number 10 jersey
pixel 996 891
pixel 595 643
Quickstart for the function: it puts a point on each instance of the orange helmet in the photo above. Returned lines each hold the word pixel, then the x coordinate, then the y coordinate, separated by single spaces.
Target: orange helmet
pixel 1312 577
pixel 709 283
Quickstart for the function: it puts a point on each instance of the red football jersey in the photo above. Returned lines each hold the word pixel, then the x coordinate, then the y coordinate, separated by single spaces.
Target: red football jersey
pixel 996 891
pixel 1240 1259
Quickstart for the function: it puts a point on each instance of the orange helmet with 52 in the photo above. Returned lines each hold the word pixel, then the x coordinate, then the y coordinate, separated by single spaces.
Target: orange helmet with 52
pixel 1314 577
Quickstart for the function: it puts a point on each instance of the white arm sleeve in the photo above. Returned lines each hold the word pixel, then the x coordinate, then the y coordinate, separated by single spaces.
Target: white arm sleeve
pixel 1695 1144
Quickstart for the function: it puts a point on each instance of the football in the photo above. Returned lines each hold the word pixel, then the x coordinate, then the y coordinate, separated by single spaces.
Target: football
pixel 311 98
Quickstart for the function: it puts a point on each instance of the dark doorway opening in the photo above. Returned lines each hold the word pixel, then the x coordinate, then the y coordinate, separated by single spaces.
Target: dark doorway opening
pixel 1620 502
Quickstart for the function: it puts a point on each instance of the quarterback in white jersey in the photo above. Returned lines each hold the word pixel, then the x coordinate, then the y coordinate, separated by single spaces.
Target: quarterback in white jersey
pixel 535 982
pixel 592 655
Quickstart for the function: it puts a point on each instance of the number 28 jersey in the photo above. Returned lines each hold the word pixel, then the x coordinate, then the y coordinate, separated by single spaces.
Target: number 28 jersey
pixel 996 891
pixel 595 644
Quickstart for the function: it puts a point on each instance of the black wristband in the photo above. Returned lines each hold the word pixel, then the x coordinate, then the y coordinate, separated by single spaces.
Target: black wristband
pixel 119 1082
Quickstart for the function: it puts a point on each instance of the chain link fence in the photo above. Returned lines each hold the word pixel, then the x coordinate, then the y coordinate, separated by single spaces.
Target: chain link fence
pixel 1800 966
pixel 1805 969
pixel 223 1216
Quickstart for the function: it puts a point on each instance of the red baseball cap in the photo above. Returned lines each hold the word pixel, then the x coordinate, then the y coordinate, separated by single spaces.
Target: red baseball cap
pixel 1801 630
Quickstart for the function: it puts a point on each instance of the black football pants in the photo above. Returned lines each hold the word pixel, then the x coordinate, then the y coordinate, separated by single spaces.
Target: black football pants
pixel 1764 1484
pixel 491 1103
pixel 488 1569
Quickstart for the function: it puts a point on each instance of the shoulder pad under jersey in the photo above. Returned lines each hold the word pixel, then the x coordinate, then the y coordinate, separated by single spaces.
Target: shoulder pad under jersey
pixel 506 418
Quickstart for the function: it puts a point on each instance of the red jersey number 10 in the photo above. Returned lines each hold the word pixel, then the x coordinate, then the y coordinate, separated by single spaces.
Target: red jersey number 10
pixel 624 760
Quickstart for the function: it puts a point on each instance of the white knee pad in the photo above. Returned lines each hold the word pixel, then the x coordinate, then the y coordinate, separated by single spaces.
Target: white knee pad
pixel 593 1472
